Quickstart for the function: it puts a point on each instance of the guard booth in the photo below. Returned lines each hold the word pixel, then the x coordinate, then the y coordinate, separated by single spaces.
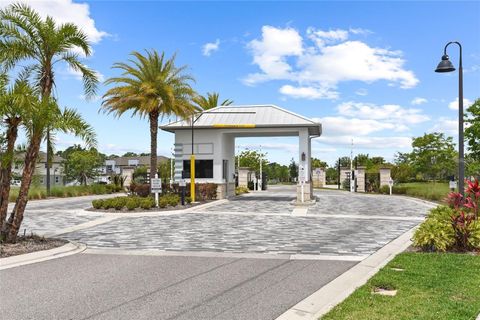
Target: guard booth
pixel 211 137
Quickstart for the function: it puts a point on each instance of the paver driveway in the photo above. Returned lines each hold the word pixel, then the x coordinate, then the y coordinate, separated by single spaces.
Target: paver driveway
pixel 339 224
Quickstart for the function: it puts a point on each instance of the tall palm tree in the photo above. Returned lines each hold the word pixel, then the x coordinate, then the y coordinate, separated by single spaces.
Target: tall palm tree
pixel 150 86
pixel 43 43
pixel 210 101
pixel 15 105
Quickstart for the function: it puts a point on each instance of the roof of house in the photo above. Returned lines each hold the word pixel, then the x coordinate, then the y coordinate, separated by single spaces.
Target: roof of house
pixel 142 160
pixel 42 157
pixel 258 116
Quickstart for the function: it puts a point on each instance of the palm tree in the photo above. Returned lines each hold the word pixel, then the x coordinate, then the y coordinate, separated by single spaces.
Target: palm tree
pixel 25 36
pixel 42 44
pixel 210 101
pixel 15 105
pixel 47 116
pixel 150 86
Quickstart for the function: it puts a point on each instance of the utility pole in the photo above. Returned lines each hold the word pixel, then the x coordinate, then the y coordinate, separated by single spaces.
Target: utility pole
pixel 261 160
pixel 352 175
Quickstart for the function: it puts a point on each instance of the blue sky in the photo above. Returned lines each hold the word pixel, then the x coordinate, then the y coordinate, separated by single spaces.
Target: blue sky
pixel 363 69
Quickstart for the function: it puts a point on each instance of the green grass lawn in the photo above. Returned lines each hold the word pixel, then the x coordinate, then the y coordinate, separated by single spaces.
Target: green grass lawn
pixel 36 192
pixel 426 190
pixel 432 286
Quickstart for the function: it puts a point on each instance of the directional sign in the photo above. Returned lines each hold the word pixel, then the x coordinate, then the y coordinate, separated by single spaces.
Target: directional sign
pixel 156 185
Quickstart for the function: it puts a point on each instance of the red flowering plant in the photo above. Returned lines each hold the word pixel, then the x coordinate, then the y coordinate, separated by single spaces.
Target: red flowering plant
pixel 465 216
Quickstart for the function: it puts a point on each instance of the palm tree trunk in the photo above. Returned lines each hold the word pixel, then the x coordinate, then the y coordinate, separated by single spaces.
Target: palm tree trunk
pixel 16 216
pixel 153 117
pixel 6 172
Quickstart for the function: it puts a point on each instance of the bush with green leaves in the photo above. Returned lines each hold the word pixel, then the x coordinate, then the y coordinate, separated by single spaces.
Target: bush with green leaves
pixel 132 203
pixel 97 204
pixel 241 190
pixel 434 235
pixel 147 203
pixel 163 203
pixel 188 200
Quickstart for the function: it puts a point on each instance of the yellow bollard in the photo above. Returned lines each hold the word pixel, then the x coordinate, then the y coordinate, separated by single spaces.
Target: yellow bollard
pixel 192 177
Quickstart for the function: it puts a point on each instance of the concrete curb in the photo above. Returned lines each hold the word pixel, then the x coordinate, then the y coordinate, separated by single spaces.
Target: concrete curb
pixel 209 254
pixel 68 249
pixel 323 300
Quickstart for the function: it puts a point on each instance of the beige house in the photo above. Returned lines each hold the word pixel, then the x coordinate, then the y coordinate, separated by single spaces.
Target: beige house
pixel 57 175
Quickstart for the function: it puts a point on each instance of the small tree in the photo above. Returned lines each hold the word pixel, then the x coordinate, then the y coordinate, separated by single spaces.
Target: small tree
pixel 293 169
pixel 433 155
pixel 82 165
pixel 472 132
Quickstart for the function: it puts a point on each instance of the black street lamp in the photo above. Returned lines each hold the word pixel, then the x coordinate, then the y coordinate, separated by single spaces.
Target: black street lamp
pixel 446 66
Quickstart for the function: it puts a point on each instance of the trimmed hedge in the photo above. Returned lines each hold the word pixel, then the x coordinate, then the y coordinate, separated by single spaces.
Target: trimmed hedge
pixel 135 202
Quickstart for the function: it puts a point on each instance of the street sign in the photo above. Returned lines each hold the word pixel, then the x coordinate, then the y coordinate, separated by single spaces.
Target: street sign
pixel 452 184
pixel 390 182
pixel 156 185
pixel 182 183
pixel 318 171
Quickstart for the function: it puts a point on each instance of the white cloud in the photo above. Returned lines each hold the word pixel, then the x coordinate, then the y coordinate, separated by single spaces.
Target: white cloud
pixel 389 112
pixel 210 47
pixel 321 37
pixel 271 52
pixel 418 100
pixel 368 142
pixel 340 126
pixel 281 54
pixel 308 92
pixel 66 11
pixel 454 104
pixel 445 125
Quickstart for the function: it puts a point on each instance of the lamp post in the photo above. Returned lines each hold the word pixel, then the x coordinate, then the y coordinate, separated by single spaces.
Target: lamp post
pixel 446 65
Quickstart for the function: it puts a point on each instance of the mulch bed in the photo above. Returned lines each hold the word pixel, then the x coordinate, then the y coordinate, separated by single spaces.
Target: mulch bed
pixel 29 244
pixel 168 208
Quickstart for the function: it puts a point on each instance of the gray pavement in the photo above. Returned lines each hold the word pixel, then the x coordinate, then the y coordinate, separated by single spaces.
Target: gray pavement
pixel 91 286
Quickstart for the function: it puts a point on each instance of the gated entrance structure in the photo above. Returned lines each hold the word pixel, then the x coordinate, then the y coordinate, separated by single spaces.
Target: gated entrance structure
pixel 213 133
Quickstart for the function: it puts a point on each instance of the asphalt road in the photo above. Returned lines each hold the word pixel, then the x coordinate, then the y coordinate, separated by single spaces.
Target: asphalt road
pixel 94 286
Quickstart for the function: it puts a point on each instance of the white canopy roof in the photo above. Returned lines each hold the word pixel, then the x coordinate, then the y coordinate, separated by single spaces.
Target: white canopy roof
pixel 256 116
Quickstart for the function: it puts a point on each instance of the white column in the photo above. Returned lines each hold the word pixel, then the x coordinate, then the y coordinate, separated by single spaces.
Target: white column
pixel 303 148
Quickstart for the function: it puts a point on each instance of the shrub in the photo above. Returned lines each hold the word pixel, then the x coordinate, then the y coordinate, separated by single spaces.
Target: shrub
pixel 142 190
pixel 118 203
pixel 147 203
pixel 434 235
pixel 399 190
pixel 188 200
pixel 241 190
pixel 384 190
pixel 107 203
pixel 132 203
pixel 173 200
pixel 97 204
pixel 162 203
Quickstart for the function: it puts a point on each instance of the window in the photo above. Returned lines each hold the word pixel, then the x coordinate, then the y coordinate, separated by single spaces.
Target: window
pixel 225 170
pixel 203 168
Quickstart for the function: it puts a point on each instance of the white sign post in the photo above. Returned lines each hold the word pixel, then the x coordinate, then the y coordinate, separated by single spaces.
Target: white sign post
pixel 156 187
pixel 390 184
